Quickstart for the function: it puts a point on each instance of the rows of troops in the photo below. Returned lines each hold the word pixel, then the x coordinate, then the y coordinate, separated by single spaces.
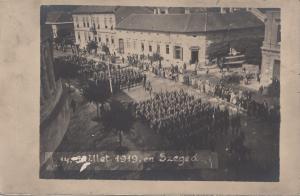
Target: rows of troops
pixel 86 67
pixel 127 78
pixel 120 78
pixel 98 73
pixel 242 99
pixel 178 114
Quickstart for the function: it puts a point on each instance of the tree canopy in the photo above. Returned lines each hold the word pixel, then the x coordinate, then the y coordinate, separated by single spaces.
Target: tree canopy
pixel 65 69
pixel 98 93
pixel 156 57
pixel 118 118
pixel 105 49
pixel 91 45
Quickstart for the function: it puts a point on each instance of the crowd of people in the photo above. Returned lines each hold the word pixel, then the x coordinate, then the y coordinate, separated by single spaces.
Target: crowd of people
pixel 178 114
pixel 133 59
pixel 243 99
pixel 127 78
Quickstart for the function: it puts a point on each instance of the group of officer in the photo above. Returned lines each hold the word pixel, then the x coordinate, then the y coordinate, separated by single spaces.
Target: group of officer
pixel 242 99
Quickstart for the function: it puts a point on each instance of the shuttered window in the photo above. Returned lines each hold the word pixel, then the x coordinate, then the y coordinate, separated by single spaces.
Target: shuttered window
pixel 178 52
pixel 142 47
pixel 167 49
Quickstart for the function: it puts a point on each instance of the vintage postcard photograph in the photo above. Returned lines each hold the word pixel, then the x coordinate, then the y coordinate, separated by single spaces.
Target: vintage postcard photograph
pixel 159 93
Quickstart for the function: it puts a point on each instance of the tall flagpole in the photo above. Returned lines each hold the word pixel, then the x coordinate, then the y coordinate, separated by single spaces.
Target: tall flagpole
pixel 205 31
pixel 109 75
pixel 205 27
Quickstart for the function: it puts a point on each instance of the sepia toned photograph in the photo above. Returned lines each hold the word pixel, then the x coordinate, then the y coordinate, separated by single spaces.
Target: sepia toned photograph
pixel 159 93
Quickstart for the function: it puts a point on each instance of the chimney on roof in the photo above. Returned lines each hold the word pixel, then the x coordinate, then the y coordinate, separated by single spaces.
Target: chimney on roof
pixel 166 10
pixel 187 10
pixel 223 10
pixel 158 10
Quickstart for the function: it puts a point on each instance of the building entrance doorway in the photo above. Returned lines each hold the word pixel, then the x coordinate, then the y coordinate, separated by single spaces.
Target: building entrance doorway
pixel 194 56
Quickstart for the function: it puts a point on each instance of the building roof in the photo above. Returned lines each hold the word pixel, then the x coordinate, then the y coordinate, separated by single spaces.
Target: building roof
pixel 190 23
pixel 264 10
pixel 89 9
pixel 181 10
pixel 57 17
pixel 123 12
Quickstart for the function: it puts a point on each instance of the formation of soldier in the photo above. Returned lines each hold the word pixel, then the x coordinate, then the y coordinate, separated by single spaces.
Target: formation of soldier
pixel 85 67
pixel 178 114
pixel 127 78
pixel 120 78
pixel 98 72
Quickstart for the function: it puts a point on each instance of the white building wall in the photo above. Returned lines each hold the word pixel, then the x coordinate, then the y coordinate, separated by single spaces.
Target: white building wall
pixel 104 25
pixel 162 39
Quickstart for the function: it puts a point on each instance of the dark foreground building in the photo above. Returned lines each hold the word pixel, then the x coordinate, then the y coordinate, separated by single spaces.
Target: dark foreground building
pixel 54 103
pixel 271 47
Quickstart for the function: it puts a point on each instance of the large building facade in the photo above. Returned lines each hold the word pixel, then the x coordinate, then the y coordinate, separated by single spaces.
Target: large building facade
pixel 186 38
pixel 173 47
pixel 179 35
pixel 270 68
pixel 98 23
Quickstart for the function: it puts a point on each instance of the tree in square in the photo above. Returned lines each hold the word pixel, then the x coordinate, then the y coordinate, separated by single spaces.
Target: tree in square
pixel 97 93
pixel 119 119
pixel 92 45
pixel 66 69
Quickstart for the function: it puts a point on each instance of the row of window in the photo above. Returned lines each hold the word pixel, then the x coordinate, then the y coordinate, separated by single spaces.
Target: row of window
pixel 178 51
pixel 97 39
pixel 85 19
pixel 150 47
pixel 94 25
